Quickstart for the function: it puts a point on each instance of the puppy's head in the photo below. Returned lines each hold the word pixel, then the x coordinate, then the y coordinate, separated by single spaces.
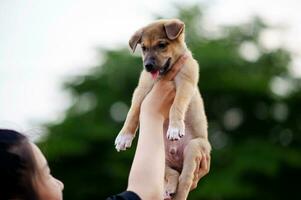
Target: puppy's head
pixel 162 42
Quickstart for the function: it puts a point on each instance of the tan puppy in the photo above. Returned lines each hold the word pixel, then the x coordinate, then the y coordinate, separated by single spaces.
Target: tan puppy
pixel 187 142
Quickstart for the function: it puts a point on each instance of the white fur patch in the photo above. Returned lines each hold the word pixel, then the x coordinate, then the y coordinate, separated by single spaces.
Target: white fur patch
pixel 175 133
pixel 123 141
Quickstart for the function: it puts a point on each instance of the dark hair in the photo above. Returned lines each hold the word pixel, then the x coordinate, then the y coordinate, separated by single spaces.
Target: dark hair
pixel 17 167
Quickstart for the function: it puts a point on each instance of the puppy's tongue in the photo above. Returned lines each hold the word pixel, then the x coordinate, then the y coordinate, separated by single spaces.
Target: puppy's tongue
pixel 155 74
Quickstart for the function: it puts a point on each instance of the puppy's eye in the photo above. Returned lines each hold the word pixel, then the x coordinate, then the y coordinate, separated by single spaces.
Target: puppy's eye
pixel 162 45
pixel 143 48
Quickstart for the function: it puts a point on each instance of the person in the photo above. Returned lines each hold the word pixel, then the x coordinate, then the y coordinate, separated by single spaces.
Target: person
pixel 146 178
pixel 24 172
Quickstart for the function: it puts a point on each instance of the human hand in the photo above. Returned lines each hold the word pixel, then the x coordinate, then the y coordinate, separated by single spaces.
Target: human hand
pixel 160 98
pixel 203 167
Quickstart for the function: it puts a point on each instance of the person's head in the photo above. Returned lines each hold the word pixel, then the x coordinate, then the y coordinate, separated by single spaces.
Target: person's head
pixel 24 173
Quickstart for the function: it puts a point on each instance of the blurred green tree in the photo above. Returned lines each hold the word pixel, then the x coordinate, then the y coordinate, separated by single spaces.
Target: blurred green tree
pixel 252 103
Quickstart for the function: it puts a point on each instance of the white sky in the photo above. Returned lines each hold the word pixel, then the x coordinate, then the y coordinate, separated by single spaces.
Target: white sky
pixel 44 42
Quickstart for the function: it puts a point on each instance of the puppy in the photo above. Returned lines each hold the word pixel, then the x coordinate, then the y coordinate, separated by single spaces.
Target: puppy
pixel 162 43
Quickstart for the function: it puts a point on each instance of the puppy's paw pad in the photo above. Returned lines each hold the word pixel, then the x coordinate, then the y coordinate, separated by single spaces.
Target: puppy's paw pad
pixel 175 133
pixel 168 195
pixel 123 141
pixel 169 191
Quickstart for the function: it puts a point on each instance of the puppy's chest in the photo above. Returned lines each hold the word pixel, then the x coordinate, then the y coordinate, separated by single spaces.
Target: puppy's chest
pixel 174 149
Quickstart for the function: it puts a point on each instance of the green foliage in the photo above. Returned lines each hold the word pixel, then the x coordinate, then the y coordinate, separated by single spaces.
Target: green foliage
pixel 254 130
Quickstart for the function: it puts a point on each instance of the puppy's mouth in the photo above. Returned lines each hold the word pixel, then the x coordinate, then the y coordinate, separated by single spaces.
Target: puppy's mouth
pixel 163 70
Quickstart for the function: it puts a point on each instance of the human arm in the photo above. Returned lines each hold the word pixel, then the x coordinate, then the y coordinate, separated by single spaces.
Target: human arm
pixel 147 172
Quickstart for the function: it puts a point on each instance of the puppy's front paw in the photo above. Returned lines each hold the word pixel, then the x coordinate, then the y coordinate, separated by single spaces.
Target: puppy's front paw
pixel 176 131
pixel 123 141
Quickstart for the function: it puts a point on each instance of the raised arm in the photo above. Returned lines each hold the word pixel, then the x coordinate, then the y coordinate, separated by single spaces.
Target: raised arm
pixel 147 172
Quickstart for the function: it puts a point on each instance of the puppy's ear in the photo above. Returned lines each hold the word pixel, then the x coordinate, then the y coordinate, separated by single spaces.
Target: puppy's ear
pixel 174 28
pixel 135 39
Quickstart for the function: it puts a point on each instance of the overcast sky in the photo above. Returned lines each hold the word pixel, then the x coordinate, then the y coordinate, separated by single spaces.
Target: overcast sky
pixel 43 42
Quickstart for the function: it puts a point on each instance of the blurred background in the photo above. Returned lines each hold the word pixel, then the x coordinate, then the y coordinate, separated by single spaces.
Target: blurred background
pixel 67 75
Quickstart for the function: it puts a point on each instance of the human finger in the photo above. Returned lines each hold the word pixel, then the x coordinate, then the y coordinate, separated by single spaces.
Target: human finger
pixel 208 162
pixel 196 174
pixel 204 167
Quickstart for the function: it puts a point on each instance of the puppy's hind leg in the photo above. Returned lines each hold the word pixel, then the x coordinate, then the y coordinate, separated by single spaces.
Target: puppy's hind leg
pixel 192 158
pixel 171 182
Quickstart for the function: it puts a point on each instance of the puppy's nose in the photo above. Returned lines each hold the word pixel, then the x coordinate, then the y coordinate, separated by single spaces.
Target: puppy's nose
pixel 149 65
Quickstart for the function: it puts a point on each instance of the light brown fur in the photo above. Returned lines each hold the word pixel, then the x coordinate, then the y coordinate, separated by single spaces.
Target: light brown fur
pixel 187 114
